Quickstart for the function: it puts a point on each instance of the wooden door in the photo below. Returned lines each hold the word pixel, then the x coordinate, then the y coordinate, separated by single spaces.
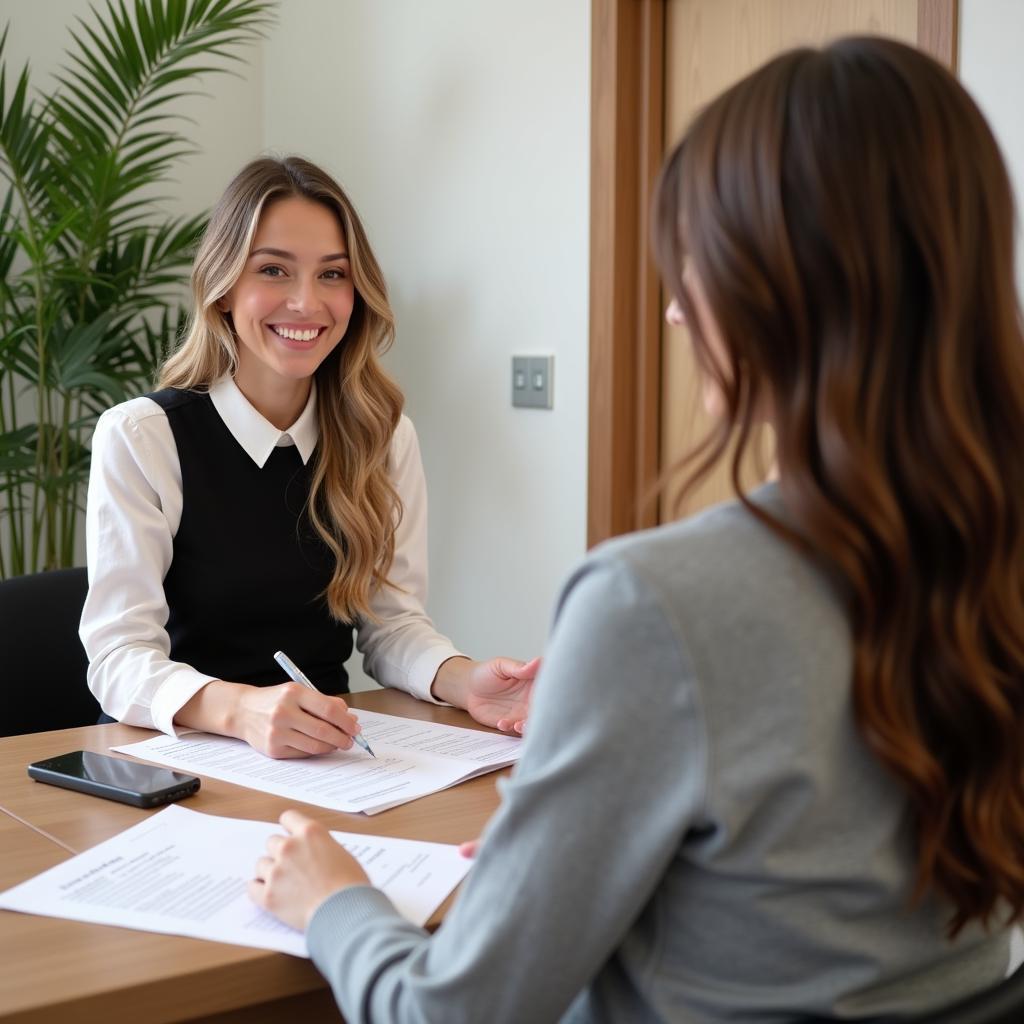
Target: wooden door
pixel 654 63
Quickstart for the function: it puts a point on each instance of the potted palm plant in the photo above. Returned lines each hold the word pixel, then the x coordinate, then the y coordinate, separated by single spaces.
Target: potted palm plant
pixel 90 273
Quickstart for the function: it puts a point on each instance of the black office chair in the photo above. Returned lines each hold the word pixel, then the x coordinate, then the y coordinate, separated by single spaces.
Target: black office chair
pixel 43 660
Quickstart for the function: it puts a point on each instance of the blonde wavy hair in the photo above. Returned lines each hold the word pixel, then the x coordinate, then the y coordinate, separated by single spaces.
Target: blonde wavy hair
pixel 352 503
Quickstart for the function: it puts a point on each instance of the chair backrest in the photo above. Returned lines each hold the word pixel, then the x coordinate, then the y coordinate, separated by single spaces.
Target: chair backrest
pixel 44 663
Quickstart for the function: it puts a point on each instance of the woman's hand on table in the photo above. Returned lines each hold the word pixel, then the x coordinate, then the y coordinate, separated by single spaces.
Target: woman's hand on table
pixel 302 869
pixel 495 693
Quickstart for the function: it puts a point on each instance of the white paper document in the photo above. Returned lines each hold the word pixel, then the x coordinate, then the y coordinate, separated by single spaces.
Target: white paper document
pixel 413 759
pixel 180 872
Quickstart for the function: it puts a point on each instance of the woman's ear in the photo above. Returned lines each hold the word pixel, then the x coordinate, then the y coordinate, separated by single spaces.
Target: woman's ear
pixel 223 305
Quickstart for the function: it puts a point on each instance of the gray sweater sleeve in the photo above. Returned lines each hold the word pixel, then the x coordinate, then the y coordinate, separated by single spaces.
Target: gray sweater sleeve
pixel 612 776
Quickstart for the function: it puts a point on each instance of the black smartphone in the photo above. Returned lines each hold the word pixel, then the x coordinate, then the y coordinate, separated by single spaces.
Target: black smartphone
pixel 129 782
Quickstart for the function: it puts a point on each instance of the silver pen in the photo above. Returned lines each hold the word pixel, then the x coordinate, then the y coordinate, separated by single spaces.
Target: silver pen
pixel 297 675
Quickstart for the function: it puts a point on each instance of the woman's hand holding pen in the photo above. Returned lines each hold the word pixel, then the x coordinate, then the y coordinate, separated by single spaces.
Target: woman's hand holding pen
pixel 288 720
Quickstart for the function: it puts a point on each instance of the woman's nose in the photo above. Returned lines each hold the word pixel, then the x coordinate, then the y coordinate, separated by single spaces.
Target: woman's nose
pixel 303 297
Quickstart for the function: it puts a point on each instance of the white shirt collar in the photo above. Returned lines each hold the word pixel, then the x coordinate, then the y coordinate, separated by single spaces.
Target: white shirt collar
pixel 258 436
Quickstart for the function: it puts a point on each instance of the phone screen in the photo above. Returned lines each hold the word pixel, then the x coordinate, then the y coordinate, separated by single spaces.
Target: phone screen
pixel 113 771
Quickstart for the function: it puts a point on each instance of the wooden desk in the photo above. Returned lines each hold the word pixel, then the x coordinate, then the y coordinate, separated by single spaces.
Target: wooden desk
pixel 52 969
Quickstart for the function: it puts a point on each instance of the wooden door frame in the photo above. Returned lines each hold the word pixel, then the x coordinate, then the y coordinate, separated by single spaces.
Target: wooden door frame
pixel 626 148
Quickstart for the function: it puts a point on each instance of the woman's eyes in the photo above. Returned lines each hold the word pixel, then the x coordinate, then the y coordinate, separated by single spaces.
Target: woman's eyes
pixel 330 274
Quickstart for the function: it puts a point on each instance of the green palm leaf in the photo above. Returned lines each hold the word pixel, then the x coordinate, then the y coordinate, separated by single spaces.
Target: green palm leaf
pixel 90 278
pixel 124 73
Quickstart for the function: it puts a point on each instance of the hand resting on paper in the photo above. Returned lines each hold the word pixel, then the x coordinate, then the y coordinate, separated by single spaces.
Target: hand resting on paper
pixel 496 692
pixel 301 869
pixel 287 720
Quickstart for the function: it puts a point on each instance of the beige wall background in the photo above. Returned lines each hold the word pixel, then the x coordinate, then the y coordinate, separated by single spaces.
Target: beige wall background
pixel 461 130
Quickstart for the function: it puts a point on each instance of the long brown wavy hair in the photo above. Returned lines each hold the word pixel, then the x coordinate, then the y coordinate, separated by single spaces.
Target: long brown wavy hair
pixel 850 219
pixel 352 503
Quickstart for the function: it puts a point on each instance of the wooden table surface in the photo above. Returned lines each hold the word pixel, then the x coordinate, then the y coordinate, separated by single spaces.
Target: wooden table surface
pixel 53 969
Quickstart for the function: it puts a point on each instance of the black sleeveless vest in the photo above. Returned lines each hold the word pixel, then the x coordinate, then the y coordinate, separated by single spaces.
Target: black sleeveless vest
pixel 248 570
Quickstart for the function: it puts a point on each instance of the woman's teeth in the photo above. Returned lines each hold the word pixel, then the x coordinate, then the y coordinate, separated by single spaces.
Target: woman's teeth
pixel 287 332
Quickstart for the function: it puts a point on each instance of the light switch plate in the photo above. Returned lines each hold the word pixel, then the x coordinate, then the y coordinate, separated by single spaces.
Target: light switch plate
pixel 532 382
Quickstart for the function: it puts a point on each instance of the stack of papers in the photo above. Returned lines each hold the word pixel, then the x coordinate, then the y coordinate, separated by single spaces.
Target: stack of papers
pixel 413 759
pixel 180 872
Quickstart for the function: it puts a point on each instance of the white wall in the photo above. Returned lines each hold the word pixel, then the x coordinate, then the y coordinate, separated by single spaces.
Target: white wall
pixel 461 131
pixel 992 68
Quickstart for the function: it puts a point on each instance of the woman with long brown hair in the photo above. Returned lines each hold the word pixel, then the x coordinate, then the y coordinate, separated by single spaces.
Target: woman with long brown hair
pixel 271 495
pixel 775 767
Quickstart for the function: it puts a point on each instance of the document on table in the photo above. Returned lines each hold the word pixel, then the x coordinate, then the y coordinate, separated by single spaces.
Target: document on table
pixel 413 759
pixel 180 872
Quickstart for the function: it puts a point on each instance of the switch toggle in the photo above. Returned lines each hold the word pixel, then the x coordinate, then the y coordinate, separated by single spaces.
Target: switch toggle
pixel 532 381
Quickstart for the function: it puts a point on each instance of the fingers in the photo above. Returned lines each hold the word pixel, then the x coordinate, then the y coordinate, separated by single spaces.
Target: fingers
pixel 258 892
pixel 289 720
pixel 333 711
pixel 285 742
pixel 510 668
pixel 511 725
pixel 298 826
pixel 302 723
pixel 468 849
pixel 295 822
pixel 313 735
pixel 529 669
pixel 299 869
pixel 263 867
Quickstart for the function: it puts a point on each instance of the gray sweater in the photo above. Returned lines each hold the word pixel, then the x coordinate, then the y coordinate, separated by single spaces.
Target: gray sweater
pixel 695 832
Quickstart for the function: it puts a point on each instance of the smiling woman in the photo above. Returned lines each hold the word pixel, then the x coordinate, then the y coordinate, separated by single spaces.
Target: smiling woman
pixel 290 307
pixel 271 496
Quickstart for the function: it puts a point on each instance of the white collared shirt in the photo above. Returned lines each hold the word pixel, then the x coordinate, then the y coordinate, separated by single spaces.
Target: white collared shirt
pixel 133 513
